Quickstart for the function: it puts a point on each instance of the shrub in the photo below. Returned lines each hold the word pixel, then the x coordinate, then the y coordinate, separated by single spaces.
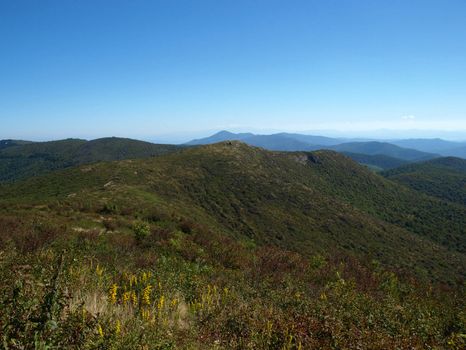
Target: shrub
pixel 141 230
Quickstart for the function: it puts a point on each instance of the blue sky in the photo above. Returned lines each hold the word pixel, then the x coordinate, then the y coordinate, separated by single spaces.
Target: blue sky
pixel 168 70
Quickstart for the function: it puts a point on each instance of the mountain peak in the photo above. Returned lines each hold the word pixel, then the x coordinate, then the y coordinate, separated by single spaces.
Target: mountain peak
pixel 224 133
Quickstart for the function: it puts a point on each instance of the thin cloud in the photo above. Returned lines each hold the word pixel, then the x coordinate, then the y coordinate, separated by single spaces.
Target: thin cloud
pixel 408 117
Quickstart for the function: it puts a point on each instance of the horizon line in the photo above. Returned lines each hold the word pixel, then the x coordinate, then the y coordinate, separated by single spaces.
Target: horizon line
pixel 190 136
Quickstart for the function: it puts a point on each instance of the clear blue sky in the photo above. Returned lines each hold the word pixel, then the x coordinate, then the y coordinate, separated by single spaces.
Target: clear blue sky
pixel 149 69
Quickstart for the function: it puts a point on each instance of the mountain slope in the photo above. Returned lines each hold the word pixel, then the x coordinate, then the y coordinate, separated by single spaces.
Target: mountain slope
pixel 307 202
pixel 220 137
pixel 24 159
pixel 442 177
pixel 312 139
pixel 278 142
pixel 379 161
pixel 199 249
pixel 300 142
pixel 456 152
pixel 275 142
pixel 427 145
pixel 10 143
pixel 438 146
pixel 384 148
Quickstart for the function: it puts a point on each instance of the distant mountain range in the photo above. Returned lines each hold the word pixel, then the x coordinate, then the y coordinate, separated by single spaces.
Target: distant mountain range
pixel 21 159
pixel 398 151
pixel 385 149
pixel 439 146
pixel 275 142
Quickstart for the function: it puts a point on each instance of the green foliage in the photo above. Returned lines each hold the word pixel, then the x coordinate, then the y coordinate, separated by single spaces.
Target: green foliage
pixel 140 230
pixel 383 148
pixel 96 297
pixel 306 202
pixel 444 178
pixel 229 247
pixel 377 161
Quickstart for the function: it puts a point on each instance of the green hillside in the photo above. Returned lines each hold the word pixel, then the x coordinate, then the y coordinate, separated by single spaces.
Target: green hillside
pixel 10 143
pixel 228 246
pixel 25 159
pixel 383 148
pixel 307 202
pixel 378 161
pixel 442 177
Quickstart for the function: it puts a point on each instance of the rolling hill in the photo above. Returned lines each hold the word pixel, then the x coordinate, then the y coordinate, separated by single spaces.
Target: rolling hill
pixel 441 177
pixel 229 246
pixel 383 148
pixel 21 159
pixel 438 146
pixel 377 161
pixel 456 152
pixel 11 143
pixel 427 145
pixel 375 154
pixel 306 202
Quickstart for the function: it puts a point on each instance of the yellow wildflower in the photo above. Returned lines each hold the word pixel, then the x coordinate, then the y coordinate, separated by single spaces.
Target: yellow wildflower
pixel 146 294
pixel 126 297
pixel 100 331
pixel 145 314
pixel 133 280
pixel 113 293
pixel 161 302
pixel 134 298
pixel 117 327
pixel 174 302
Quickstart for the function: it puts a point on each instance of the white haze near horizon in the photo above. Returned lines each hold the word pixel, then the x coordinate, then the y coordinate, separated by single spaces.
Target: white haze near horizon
pixel 186 136
pixel 407 127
